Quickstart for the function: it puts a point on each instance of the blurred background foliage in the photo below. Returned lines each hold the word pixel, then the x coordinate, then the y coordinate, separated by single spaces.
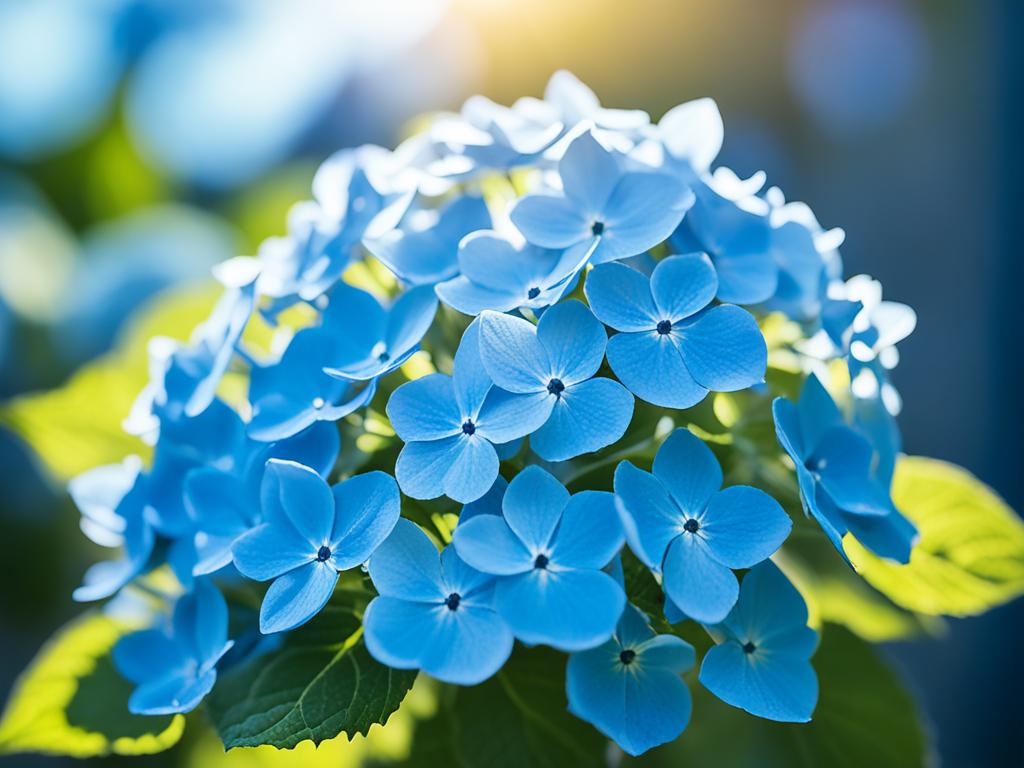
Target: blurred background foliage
pixel 142 141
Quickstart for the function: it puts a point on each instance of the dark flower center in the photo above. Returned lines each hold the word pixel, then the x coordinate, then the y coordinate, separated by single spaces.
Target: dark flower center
pixel 627 656
pixel 665 326
pixel 749 647
pixel 556 387
pixel 469 427
pixel 541 561
pixel 597 228
pixel 453 600
pixel 691 526
pixel 324 553
pixel 383 357
pixel 533 293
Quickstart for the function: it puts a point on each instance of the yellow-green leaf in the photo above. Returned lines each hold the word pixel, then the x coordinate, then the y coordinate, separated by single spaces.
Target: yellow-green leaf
pixel 970 556
pixel 72 701
pixel 78 425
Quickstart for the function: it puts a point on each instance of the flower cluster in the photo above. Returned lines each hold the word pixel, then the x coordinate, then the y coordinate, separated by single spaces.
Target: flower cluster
pixel 496 304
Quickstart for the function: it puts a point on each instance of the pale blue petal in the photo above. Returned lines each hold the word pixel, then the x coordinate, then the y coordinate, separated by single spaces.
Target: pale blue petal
pixel 746 278
pixel 650 519
pixel 472 299
pixel 306 499
pixel 407 566
pixel 569 610
pixel 296 597
pixel 776 688
pixel 744 526
pixel 589 534
pixel 589 174
pixel 473 469
pixel 574 341
pixel 724 349
pixel 683 285
pixel 512 353
pixel 643 210
pixel 268 550
pixel 506 416
pixel 488 544
pixel 533 505
pixel 368 507
pixel 463 465
pixel 621 298
pixel 587 417
pixel 650 366
pixel 425 409
pixel 470 378
pixel 492 262
pixel 357 321
pixel 550 222
pixel 689 470
pixel 316 447
pixel 703 588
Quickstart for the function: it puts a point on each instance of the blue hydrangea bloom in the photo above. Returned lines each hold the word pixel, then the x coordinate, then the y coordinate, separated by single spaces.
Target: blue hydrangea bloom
pixel 762 661
pixel 376 340
pixel 225 502
pixel 428 255
pixel 679 523
pixel 451 426
pixel 630 688
pixel 434 612
pixel 834 470
pixel 549 371
pixel 604 211
pixel 671 348
pixel 312 531
pixel 497 275
pixel 291 394
pixel 548 549
pixel 175 667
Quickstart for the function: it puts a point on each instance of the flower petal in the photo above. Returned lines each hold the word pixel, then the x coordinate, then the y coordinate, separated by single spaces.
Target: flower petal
pixel 407 566
pixel 621 298
pixel 425 409
pixel 817 412
pixel 574 341
pixel 488 544
pixel 367 507
pixel 589 174
pixel 744 526
pixel 306 499
pixel 296 597
pixel 650 519
pixel 467 297
pixel 549 221
pixel 533 505
pixel 650 366
pixel 409 319
pixel 589 534
pixel 587 417
pixel 469 378
pixel 269 550
pixel 704 589
pixel 512 354
pixel 779 688
pixel 843 463
pixel 683 285
pixel 506 416
pixel 473 469
pixel 643 210
pixel 689 470
pixel 724 349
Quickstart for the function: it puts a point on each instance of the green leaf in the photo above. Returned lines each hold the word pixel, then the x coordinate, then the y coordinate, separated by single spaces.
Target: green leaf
pixel 319 683
pixel 970 556
pixel 72 701
pixel 78 425
pixel 519 719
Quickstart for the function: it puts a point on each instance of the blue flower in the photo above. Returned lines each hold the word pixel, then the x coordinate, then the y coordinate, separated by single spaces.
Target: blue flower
pixel 225 502
pixel 434 612
pixel 376 341
pixel 834 470
pixel 692 135
pixel 548 549
pixel 761 663
pixel 549 369
pixel 604 211
pixel 293 393
pixel 497 275
pixel 451 426
pixel 429 254
pixel 174 668
pixel 312 532
pixel 671 349
pixel 630 688
pixel 680 524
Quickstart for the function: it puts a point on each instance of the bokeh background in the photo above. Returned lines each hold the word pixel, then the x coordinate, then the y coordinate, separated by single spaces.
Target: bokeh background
pixel 142 141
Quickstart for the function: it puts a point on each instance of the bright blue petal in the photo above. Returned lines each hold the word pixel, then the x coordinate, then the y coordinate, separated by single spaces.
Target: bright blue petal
pixel 891 536
pixel 587 417
pixel 357 322
pixel 589 174
pixel 589 534
pixel 621 298
pixel 368 507
pixel 787 429
pixel 689 470
pixel 816 411
pixel 667 652
pixel 746 277
pixel 473 469
pixel 703 588
pixel 779 688
pixel 470 378
pixel 550 222
pixel 683 285
pixel 650 366
pixel 409 319
pixel 268 550
pixel 425 409
pixel 512 353
pixel 533 505
pixel 574 341
pixel 316 448
pixel 306 499
pixel 569 610
pixel 171 694
pixel 488 544
pixel 744 526
pixel 724 349
pixel 643 210
pixel 506 416
pixel 407 566
pixel 296 597
pixel 201 622
pixel 148 655
pixel 462 467
pixel 770 613
pixel 651 520
pixel 842 461
pixel 488 504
